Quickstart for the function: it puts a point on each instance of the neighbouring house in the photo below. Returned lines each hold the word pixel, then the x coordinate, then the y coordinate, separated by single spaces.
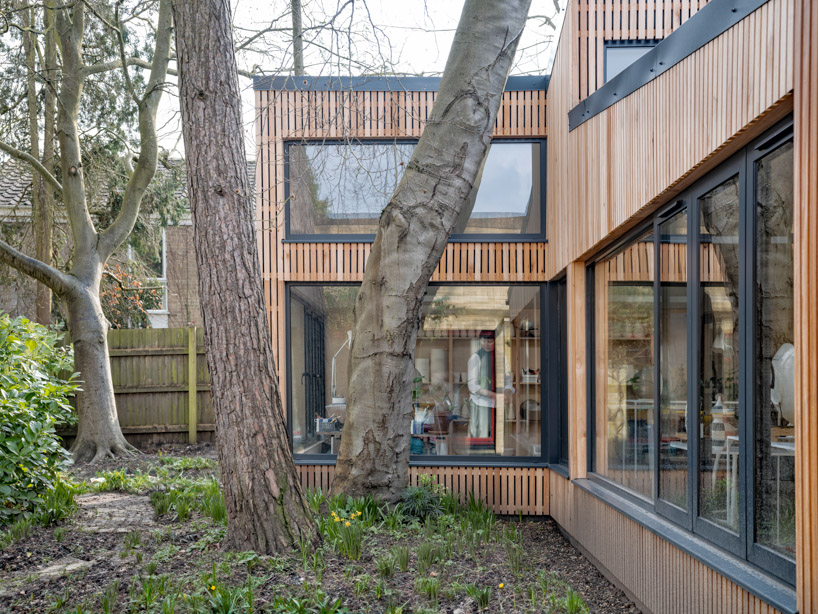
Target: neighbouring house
pixel 636 280
pixel 174 269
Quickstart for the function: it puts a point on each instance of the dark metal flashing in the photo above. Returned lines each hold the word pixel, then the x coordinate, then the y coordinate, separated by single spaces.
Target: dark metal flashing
pixel 381 84
pixel 765 587
pixel 710 22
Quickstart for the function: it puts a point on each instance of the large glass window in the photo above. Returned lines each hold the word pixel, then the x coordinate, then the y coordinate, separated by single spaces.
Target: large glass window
pixel 478 370
pixel 341 188
pixel 774 360
pixel 672 332
pixel 719 358
pixel 722 297
pixel 624 359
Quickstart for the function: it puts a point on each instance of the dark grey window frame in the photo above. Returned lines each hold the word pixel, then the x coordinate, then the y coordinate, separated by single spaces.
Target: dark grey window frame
pixel 742 544
pixel 290 237
pixel 619 44
pixel 553 407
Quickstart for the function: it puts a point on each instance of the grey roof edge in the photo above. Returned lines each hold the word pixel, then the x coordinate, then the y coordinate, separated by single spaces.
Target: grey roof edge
pixel 380 83
pixel 710 22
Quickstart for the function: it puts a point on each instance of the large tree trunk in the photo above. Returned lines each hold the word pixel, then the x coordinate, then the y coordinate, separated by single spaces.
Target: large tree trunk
pixel 412 234
pixel 265 503
pixel 98 434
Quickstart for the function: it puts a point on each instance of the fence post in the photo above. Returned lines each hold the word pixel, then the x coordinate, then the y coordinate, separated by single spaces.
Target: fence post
pixel 191 385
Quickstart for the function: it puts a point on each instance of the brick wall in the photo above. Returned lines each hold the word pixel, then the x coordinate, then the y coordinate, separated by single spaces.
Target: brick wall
pixel 183 285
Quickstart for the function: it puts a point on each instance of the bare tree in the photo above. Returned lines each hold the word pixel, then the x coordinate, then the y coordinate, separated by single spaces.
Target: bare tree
pixel 412 235
pixel 266 510
pixel 99 434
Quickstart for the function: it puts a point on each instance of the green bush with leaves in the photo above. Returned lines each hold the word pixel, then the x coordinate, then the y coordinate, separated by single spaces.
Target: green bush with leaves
pixel 34 401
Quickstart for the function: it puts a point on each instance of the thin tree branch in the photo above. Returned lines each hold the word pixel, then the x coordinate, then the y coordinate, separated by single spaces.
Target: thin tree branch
pixel 113 236
pixel 59 282
pixel 121 42
pixel 34 162
pixel 117 64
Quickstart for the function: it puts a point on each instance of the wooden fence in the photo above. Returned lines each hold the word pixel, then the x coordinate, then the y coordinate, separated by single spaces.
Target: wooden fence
pixel 162 394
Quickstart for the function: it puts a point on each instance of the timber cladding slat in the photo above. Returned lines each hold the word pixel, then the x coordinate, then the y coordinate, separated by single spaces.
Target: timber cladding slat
pixel 477 262
pixel 806 302
pixel 639 153
pixel 614 20
pixel 288 115
pixel 662 577
pixel 506 490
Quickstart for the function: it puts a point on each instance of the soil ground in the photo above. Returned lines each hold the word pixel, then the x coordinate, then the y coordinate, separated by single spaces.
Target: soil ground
pixel 116 555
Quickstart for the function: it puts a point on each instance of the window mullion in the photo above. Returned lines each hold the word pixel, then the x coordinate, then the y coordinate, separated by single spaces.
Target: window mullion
pixel 693 393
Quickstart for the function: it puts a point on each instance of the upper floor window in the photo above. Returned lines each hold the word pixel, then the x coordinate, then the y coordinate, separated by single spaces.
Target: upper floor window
pixel 621 54
pixel 340 189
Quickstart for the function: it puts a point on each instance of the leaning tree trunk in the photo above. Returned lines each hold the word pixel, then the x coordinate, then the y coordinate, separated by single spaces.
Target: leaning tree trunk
pixel 266 509
pixel 98 434
pixel 412 234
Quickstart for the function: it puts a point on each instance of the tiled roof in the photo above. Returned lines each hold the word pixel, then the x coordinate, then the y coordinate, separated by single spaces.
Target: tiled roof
pixel 15 182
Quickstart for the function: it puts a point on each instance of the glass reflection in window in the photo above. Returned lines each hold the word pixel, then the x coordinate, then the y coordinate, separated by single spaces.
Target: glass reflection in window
pixel 341 188
pixel 719 358
pixel 478 375
pixel 775 354
pixel 477 386
pixel 673 414
pixel 624 344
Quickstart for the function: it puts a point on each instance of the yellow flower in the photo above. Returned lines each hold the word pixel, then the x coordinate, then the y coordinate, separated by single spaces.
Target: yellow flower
pixel 501 585
pixel 213 587
pixel 337 520
pixel 347 523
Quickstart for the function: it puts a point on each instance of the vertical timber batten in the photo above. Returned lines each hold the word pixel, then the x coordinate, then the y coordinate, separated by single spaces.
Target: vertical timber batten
pixel 806 303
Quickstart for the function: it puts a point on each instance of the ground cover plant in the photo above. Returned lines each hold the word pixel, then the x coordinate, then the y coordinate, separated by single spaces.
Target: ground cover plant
pixel 443 555
pixel 34 400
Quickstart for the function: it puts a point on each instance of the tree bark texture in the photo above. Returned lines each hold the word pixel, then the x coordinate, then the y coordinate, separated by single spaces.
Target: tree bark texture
pixel 265 503
pixel 412 235
pixel 98 434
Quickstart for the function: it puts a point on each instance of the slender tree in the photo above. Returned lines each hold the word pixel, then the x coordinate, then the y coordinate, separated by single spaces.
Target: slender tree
pixel 266 510
pixel 99 434
pixel 412 235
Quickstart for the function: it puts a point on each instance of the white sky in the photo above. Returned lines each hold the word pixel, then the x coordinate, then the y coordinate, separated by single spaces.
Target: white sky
pixel 414 38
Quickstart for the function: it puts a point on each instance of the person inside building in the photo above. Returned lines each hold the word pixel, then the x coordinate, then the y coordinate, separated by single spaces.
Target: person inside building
pixel 483 397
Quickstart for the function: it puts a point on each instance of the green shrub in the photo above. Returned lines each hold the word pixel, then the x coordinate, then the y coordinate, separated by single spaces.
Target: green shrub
pixel 421 502
pixel 34 400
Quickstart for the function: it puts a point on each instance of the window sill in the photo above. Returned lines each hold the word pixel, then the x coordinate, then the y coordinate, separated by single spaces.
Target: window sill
pixel 768 589
pixel 561 470
pixel 481 238
pixel 447 461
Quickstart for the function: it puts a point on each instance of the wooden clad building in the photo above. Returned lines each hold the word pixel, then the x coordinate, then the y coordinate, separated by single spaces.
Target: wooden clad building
pixel 636 281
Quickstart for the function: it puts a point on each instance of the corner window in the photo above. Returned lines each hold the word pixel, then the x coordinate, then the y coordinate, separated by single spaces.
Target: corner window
pixel 338 190
pixel 478 381
pixel 693 359
pixel 621 54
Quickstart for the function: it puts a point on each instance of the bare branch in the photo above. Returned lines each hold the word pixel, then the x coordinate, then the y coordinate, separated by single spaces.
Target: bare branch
pixel 59 282
pixel 145 168
pixel 121 41
pixel 117 64
pixel 34 162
